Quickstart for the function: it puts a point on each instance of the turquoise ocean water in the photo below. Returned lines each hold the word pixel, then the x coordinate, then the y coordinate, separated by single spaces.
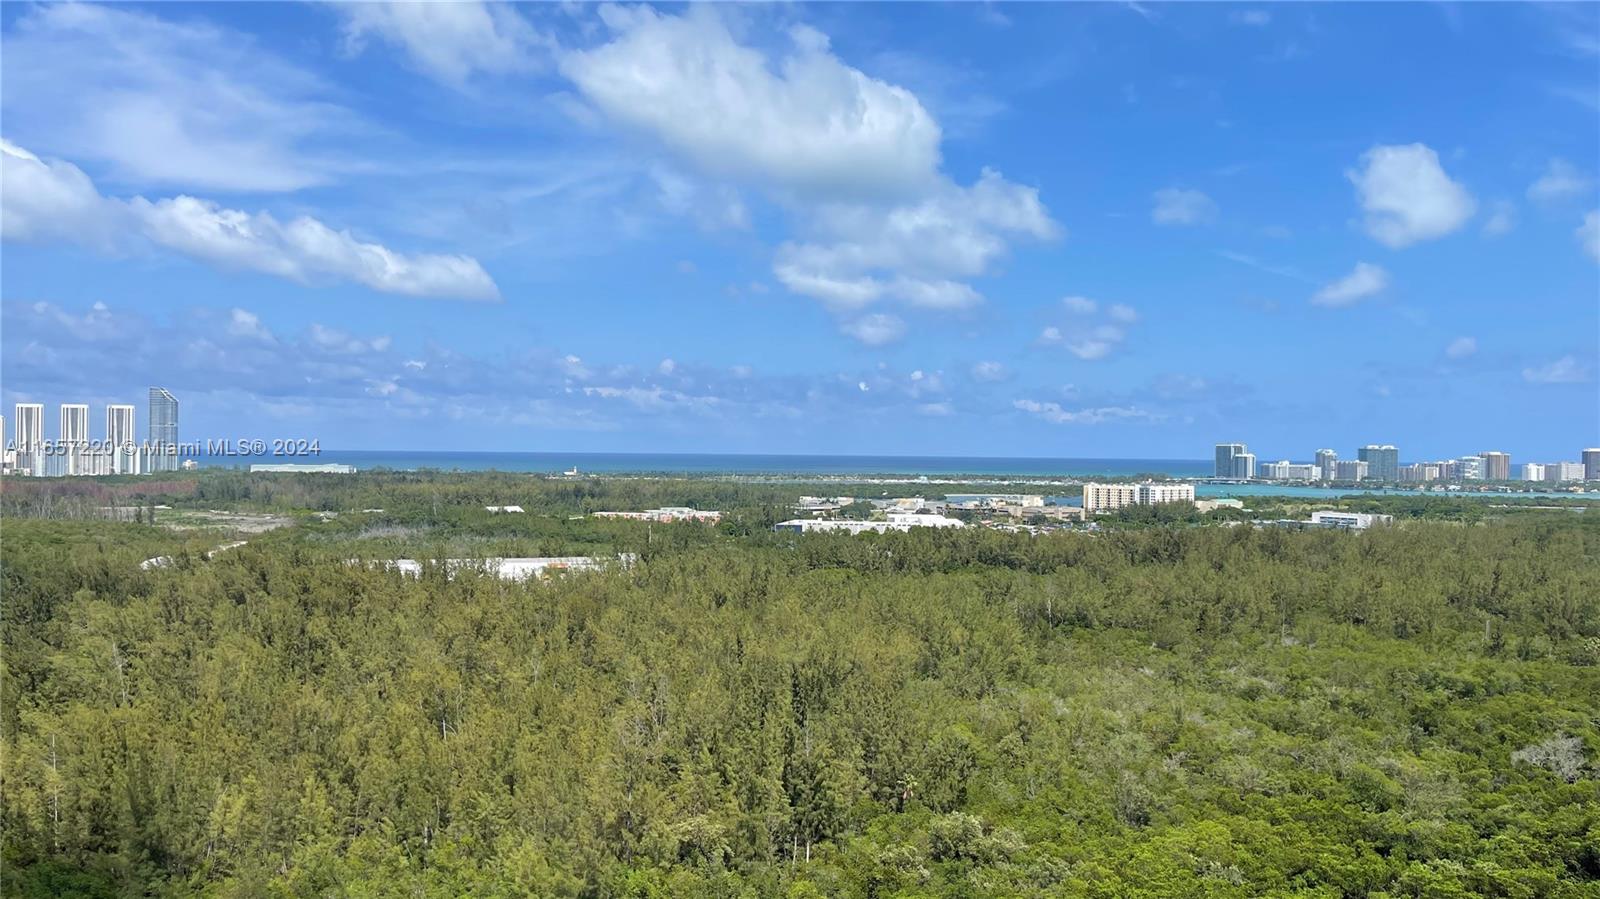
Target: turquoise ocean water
pixel 775 465
pixel 802 466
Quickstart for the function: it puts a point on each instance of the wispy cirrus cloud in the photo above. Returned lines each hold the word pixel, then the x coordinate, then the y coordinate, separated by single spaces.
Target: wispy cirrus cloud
pixel 1057 414
pixel 875 329
pixel 1502 219
pixel 231 364
pixel 165 102
pixel 1282 271
pixel 1561 180
pixel 1461 348
pixel 1364 281
pixel 1177 206
pixel 53 200
pixel 1565 370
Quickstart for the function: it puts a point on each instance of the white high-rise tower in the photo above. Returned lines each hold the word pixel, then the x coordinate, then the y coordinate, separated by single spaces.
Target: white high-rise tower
pixel 74 436
pixel 120 439
pixel 29 423
pixel 163 426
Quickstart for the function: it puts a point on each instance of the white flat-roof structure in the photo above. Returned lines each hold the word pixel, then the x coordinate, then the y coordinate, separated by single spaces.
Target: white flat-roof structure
pixel 992 500
pixel 1355 521
pixel 666 514
pixel 895 521
pixel 503 509
pixel 511 569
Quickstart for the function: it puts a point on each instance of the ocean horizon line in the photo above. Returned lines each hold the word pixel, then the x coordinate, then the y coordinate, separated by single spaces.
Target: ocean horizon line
pixel 735 463
pixel 672 453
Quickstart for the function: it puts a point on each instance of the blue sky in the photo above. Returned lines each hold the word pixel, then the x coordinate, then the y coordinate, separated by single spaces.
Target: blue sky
pixel 1030 230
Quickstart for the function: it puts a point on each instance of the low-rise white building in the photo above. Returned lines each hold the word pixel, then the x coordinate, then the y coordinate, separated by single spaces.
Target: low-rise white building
pixel 1355 521
pixel 1099 498
pixel 512 569
pixel 665 514
pixel 894 521
pixel 821 505
pixel 994 500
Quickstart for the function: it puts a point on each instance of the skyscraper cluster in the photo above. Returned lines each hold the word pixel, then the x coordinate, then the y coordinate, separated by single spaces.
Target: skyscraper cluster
pixel 1234 460
pixel 1380 463
pixel 75 453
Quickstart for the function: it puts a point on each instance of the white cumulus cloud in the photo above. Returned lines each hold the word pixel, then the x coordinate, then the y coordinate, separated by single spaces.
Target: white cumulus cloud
pixel 1589 234
pixel 54 200
pixel 805 120
pixel 1364 281
pixel 449 41
pixel 853 159
pixel 988 371
pixel 1407 197
pixel 1094 331
pixel 1461 347
pixel 244 323
pixel 916 253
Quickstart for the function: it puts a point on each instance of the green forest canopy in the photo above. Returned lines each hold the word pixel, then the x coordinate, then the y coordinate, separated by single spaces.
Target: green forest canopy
pixel 1167 710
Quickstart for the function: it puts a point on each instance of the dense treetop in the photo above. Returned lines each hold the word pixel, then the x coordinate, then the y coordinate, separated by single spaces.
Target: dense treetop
pixel 1161 709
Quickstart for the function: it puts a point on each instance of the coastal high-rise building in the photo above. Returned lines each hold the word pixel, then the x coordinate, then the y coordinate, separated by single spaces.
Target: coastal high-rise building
pixel 1226 453
pixel 1383 462
pixel 120 440
pixel 1591 464
pixel 74 438
pixel 1557 472
pixel 1532 471
pixel 1327 459
pixel 163 447
pixel 29 424
pixel 1288 471
pixel 1469 468
pixel 1244 466
pixel 1420 472
pixel 1351 470
pixel 1496 466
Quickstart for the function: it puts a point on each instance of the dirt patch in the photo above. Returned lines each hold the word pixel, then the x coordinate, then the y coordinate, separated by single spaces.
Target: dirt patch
pixel 243 522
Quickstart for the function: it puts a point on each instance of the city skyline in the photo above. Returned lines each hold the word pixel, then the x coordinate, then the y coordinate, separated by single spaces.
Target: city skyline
pixel 1381 462
pixel 1056 230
